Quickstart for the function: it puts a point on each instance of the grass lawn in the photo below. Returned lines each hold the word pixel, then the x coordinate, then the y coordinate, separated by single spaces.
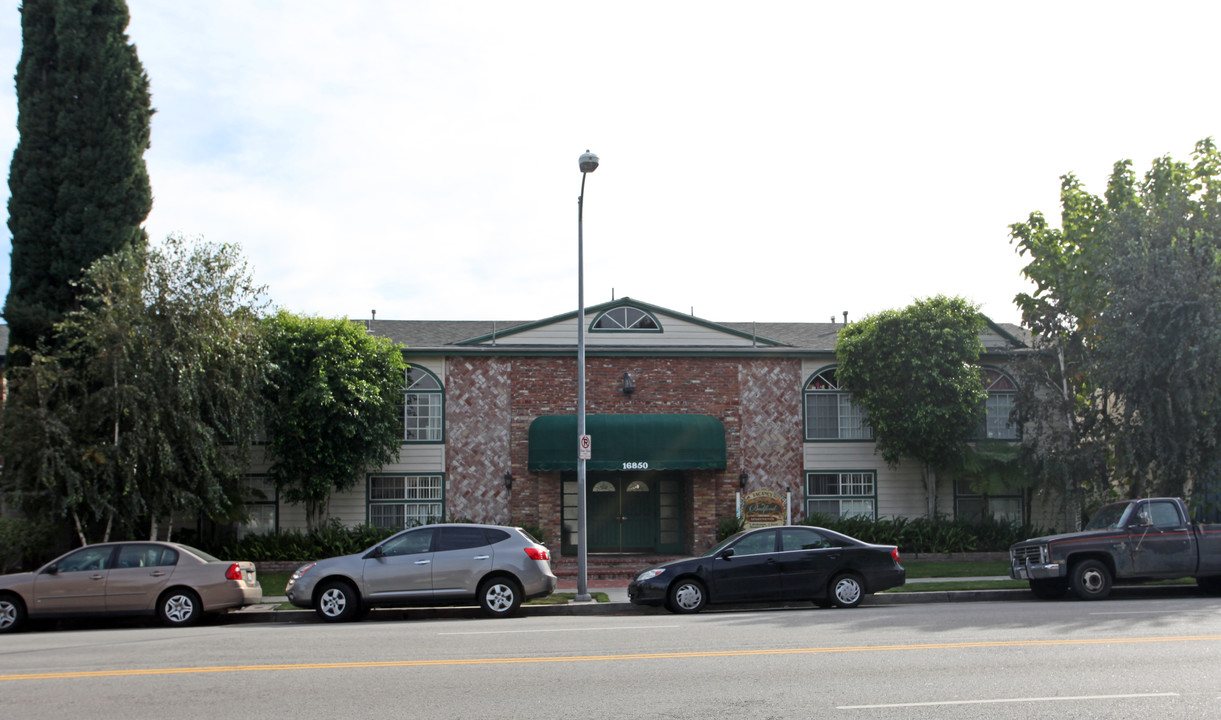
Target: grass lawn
pixel 955 568
pixel 273 583
pixel 961 585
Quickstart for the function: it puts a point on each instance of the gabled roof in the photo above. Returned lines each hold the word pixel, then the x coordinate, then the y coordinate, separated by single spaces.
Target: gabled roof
pixel 687 334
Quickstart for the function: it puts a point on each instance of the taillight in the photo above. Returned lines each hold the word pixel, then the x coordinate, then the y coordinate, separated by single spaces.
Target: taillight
pixel 234 572
pixel 537 553
pixel 894 553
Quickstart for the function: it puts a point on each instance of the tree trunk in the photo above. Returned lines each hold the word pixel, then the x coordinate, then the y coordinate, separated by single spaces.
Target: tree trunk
pixel 80 533
pixel 930 488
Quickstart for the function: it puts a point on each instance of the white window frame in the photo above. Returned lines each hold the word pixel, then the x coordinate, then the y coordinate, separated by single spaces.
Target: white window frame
pixel 855 493
pixel 1002 391
pixel 405 500
pixel 850 417
pixel 423 407
pixel 262 503
pixel 1008 505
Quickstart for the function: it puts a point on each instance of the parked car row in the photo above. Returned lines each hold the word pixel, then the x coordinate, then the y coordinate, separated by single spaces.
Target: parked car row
pixel 495 567
pixel 500 567
pixel 176 583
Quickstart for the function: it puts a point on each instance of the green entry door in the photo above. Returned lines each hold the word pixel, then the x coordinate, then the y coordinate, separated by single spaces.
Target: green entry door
pixel 626 512
pixel 622 513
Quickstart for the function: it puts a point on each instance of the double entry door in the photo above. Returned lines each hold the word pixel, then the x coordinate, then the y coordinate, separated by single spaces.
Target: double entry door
pixel 627 512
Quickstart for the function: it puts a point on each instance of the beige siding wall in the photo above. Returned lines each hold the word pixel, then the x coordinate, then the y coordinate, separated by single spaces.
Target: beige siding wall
pixel 900 490
pixel 674 332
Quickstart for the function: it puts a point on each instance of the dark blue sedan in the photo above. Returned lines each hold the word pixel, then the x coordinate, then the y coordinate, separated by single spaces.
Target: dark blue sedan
pixel 794 562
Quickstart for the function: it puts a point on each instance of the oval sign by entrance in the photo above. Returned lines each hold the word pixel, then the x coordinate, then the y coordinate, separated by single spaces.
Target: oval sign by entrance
pixel 763 508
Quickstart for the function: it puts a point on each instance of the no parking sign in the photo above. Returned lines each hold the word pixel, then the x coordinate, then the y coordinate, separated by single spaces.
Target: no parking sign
pixel 584 448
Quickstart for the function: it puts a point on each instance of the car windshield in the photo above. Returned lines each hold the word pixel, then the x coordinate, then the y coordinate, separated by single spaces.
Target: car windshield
pixel 722 544
pixel 1108 516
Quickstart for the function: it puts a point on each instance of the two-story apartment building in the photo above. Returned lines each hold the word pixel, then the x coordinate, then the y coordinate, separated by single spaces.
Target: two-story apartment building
pixel 684 414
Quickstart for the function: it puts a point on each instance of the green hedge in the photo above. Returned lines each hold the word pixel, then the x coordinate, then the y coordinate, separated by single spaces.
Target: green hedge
pixel 334 539
pixel 924 535
pixel 24 543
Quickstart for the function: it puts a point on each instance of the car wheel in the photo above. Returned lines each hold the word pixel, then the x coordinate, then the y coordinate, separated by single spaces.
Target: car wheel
pixel 1048 589
pixel 337 601
pixel 179 607
pixel 499 597
pixel 687 596
pixel 846 590
pixel 12 613
pixel 1090 580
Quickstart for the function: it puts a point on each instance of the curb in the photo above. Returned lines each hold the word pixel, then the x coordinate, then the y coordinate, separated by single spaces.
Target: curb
pixel 267 613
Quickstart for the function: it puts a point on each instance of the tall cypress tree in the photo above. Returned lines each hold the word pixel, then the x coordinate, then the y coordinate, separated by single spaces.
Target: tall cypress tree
pixel 80 189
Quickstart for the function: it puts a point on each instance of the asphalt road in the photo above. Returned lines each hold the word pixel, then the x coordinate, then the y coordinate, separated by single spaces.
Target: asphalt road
pixel 1124 658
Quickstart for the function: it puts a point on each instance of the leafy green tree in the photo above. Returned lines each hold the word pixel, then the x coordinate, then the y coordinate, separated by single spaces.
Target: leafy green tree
pixel 78 182
pixel 45 472
pixel 1126 313
pixel 148 405
pixel 915 373
pixel 335 396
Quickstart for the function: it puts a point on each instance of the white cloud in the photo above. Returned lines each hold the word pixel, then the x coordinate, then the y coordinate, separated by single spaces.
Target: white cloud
pixel 779 161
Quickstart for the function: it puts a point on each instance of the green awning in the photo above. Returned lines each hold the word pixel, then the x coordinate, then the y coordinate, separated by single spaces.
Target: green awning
pixel 629 442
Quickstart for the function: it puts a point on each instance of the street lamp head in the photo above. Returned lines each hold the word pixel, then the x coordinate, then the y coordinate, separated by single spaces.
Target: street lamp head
pixel 589 162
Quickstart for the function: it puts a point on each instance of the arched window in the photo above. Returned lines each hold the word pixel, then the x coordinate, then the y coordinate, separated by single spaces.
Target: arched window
pixel 996 423
pixel 831 413
pixel 625 319
pixel 423 407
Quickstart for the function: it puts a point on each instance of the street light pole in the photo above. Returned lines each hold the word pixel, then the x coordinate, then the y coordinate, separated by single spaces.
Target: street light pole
pixel 589 163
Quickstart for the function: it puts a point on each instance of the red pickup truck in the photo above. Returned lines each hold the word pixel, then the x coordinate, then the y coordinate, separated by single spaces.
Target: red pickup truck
pixel 1128 542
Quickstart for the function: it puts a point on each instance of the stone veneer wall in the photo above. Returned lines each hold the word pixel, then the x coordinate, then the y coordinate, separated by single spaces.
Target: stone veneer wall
pixel 772 427
pixel 477 433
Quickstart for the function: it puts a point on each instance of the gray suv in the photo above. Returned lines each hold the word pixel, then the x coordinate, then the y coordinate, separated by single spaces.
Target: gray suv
pixel 498 567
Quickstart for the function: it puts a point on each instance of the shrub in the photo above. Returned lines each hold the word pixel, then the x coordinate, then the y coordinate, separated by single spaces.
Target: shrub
pixel 23 543
pixel 727 527
pixel 535 531
pixel 333 539
pixel 930 535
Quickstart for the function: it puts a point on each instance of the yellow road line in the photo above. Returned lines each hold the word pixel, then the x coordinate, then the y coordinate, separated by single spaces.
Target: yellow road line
pixel 601 658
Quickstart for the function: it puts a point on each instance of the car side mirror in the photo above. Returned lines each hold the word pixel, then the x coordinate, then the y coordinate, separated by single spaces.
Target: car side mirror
pixel 52 570
pixel 375 553
pixel 1142 518
pixel 726 553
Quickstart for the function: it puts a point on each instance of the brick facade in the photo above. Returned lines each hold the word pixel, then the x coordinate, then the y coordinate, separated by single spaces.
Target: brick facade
pixel 490 403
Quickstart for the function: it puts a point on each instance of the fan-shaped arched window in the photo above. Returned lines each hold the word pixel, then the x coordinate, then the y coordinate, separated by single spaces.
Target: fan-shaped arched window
pixel 831 413
pixel 998 408
pixel 424 407
pixel 625 319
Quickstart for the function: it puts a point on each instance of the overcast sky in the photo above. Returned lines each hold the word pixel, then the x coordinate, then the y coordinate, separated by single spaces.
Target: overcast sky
pixel 764 161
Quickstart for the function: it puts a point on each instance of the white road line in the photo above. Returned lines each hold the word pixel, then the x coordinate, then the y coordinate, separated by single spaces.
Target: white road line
pixel 1005 700
pixel 1131 612
pixel 519 632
